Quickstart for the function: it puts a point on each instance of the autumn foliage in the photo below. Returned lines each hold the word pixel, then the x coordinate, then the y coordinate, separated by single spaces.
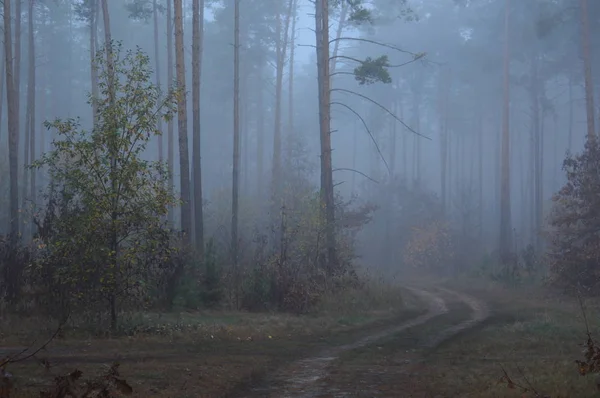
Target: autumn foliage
pixel 574 242
pixel 430 246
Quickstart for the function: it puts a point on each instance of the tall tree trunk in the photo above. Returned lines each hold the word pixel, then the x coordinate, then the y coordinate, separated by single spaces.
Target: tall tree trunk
pixel 236 148
pixel 13 124
pixel 537 148
pixel 480 170
pixel 505 210
pixel 182 129
pixel 109 51
pixel 113 154
pixel 338 34
pixel 354 147
pixel 587 68
pixel 393 133
pixel 170 124
pixel 443 83
pixel 197 47
pixel 280 50
pixel 260 134
pixel 31 102
pixel 570 127
pixel 157 75
pixel 93 49
pixel 2 88
pixel 327 192
pixel 404 143
pixel 42 117
pixel 17 60
pixel 291 78
pixel 416 121
pixel 29 144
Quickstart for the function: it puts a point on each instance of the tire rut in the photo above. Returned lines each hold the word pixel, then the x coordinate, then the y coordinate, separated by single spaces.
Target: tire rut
pixel 301 379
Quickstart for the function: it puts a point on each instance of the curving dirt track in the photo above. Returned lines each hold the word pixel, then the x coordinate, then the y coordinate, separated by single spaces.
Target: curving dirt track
pixel 304 378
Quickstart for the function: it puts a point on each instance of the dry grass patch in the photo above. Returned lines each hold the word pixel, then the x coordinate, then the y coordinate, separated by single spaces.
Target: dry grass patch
pixel 536 341
pixel 202 354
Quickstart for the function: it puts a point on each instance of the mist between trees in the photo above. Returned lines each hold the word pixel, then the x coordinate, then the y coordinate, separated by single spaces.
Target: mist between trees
pixel 256 154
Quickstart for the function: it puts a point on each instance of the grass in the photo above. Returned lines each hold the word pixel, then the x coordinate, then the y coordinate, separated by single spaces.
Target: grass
pixel 534 337
pixel 205 354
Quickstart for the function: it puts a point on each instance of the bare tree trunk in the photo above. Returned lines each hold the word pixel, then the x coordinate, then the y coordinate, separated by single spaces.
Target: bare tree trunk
pixel 393 132
pixel 113 151
pixel 42 118
pixel 570 127
pixel 157 75
pixel 29 145
pixel 291 77
pixel 2 88
pixel 280 50
pixel 197 47
pixel 182 129
pixel 505 210
pixel 17 60
pixel 480 170
pixel 338 34
pixel 354 139
pixel 93 49
pixel 31 101
pixel 537 148
pixel 170 126
pixel 108 49
pixel 13 124
pixel 260 134
pixel 404 142
pixel 587 67
pixel 327 192
pixel 236 148
pixel 443 83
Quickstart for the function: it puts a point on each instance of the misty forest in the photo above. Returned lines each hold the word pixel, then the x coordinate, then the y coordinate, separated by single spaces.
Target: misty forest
pixel 299 198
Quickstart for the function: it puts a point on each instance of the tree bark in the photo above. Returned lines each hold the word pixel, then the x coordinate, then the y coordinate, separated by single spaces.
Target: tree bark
pixel 505 209
pixel 93 49
pixel 184 162
pixel 587 68
pixel 17 61
pixel 291 77
pixel 197 47
pixel 443 83
pixel 280 50
pixel 338 34
pixel 170 124
pixel 260 135
pixel 157 75
pixel 113 154
pixel 29 145
pixel 236 148
pixel 13 124
pixel 570 127
pixel 480 170
pixel 2 89
pixel 327 190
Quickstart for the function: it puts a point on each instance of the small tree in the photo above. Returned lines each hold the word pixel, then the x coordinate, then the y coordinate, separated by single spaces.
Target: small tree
pixel 574 238
pixel 106 224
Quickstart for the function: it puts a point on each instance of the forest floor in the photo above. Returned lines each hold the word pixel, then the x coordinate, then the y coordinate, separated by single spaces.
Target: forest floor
pixel 435 342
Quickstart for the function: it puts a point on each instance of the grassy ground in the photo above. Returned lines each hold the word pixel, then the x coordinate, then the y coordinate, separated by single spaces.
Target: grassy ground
pixel 533 336
pixel 207 354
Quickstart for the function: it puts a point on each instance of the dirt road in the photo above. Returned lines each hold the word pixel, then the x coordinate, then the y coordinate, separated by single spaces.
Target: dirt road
pixel 318 376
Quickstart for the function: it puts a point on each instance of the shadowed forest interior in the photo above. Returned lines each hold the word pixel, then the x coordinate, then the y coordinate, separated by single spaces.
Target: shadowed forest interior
pixel 223 169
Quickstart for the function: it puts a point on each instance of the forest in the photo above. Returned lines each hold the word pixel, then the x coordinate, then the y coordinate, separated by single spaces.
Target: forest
pixel 196 174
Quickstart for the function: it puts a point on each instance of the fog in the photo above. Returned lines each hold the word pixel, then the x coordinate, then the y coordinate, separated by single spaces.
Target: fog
pixel 424 142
